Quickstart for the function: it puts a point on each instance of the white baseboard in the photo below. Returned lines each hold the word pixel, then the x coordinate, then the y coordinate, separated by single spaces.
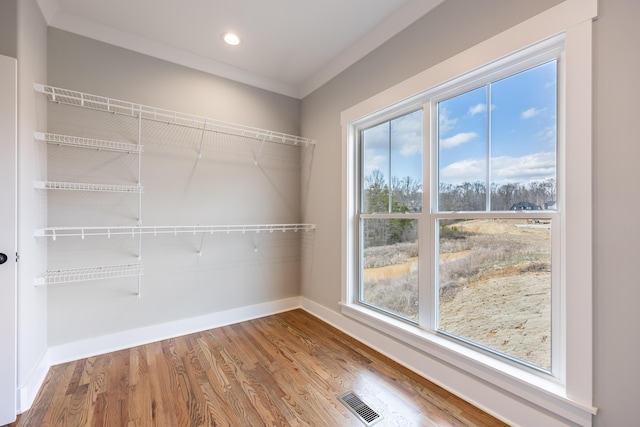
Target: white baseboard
pixel 503 405
pixel 107 343
pixel 28 391
pixel 55 355
pixel 469 388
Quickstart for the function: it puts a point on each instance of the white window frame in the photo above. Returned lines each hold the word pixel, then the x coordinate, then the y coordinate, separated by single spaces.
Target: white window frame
pixel 531 57
pixel 569 394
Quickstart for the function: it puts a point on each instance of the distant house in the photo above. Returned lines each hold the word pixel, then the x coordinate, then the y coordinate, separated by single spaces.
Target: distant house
pixel 525 206
pixel 550 204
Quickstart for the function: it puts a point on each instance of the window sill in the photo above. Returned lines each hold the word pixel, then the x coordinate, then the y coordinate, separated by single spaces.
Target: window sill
pixel 546 393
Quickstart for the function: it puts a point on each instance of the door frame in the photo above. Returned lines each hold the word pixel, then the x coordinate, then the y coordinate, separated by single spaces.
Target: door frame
pixel 8 237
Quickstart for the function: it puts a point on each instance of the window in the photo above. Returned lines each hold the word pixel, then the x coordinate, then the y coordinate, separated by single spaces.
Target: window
pixel 475 187
pixel 492 211
pixel 391 183
pixel 496 148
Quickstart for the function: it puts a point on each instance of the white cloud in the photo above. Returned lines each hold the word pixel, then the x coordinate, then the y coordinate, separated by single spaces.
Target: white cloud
pixel 504 169
pixel 477 109
pixel 548 134
pixel 374 162
pixel 457 139
pixel 411 148
pixel 377 138
pixel 531 113
pixel 445 124
pixel 468 170
pixel 407 133
pixel 532 167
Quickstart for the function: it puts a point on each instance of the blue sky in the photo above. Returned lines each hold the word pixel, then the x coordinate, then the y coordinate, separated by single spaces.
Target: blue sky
pixel 404 148
pixel 523 131
pixel 522 127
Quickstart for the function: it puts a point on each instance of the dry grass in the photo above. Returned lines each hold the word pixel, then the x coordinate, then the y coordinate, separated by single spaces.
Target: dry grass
pixel 391 278
pixel 396 294
pixel 382 256
pixel 487 264
pixel 490 256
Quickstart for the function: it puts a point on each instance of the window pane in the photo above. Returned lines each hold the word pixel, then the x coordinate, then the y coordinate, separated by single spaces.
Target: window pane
pixel 406 163
pixel 494 281
pixel 389 266
pixel 375 169
pixel 523 140
pixel 392 165
pixel 516 158
pixel 462 152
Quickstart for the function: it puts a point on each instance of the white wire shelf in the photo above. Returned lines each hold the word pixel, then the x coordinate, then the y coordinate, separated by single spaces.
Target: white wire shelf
pixel 135 230
pixel 81 186
pixel 96 102
pixel 98 144
pixel 53 277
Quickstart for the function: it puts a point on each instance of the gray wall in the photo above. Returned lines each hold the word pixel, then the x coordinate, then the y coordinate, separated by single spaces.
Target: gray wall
pixel 88 66
pixel 8 28
pixel 433 38
pixel 85 65
pixel 222 187
pixel 616 203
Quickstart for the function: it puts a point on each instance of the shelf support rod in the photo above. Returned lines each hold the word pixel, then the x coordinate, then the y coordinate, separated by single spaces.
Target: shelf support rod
pixel 139 293
pixel 201 244
pixel 204 128
pixel 257 161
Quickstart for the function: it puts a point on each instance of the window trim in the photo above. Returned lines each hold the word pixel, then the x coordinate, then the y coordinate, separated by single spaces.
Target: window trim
pixel 571 396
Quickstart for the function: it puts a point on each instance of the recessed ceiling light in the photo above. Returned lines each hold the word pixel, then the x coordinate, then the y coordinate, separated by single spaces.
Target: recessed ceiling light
pixel 231 39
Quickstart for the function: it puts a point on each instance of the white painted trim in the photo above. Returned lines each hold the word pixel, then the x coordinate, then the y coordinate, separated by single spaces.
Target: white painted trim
pixel 574 400
pixel 107 343
pixel 27 392
pixel 548 23
pixel 411 11
pixel 499 402
pixel 8 236
pixel 96 31
pixel 578 256
pixel 408 14
pixel 49 9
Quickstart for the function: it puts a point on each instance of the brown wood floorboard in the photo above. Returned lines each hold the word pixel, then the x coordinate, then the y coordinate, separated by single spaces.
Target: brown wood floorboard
pixel 288 369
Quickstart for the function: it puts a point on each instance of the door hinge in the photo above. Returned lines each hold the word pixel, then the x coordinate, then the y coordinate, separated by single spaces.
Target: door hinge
pixel 17 257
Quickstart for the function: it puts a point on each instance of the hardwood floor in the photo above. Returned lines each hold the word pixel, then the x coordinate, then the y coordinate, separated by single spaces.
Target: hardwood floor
pixel 283 370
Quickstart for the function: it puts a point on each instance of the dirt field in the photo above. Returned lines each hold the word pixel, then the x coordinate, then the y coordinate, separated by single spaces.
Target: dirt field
pixel 495 287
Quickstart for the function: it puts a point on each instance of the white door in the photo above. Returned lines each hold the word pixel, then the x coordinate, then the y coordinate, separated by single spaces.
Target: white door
pixel 8 146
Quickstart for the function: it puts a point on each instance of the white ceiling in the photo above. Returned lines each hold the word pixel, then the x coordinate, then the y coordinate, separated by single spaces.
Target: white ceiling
pixel 290 47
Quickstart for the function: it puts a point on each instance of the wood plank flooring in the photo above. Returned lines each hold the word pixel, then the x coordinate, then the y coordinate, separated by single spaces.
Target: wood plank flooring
pixel 283 370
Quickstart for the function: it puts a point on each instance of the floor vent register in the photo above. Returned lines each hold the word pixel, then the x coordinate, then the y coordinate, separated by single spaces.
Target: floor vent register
pixel 363 411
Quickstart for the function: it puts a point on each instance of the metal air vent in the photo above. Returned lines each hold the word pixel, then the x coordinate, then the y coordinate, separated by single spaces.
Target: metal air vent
pixel 363 411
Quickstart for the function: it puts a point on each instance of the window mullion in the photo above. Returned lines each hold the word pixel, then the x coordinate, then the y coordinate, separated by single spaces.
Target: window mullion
pixel 488 174
pixel 426 290
pixel 390 196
